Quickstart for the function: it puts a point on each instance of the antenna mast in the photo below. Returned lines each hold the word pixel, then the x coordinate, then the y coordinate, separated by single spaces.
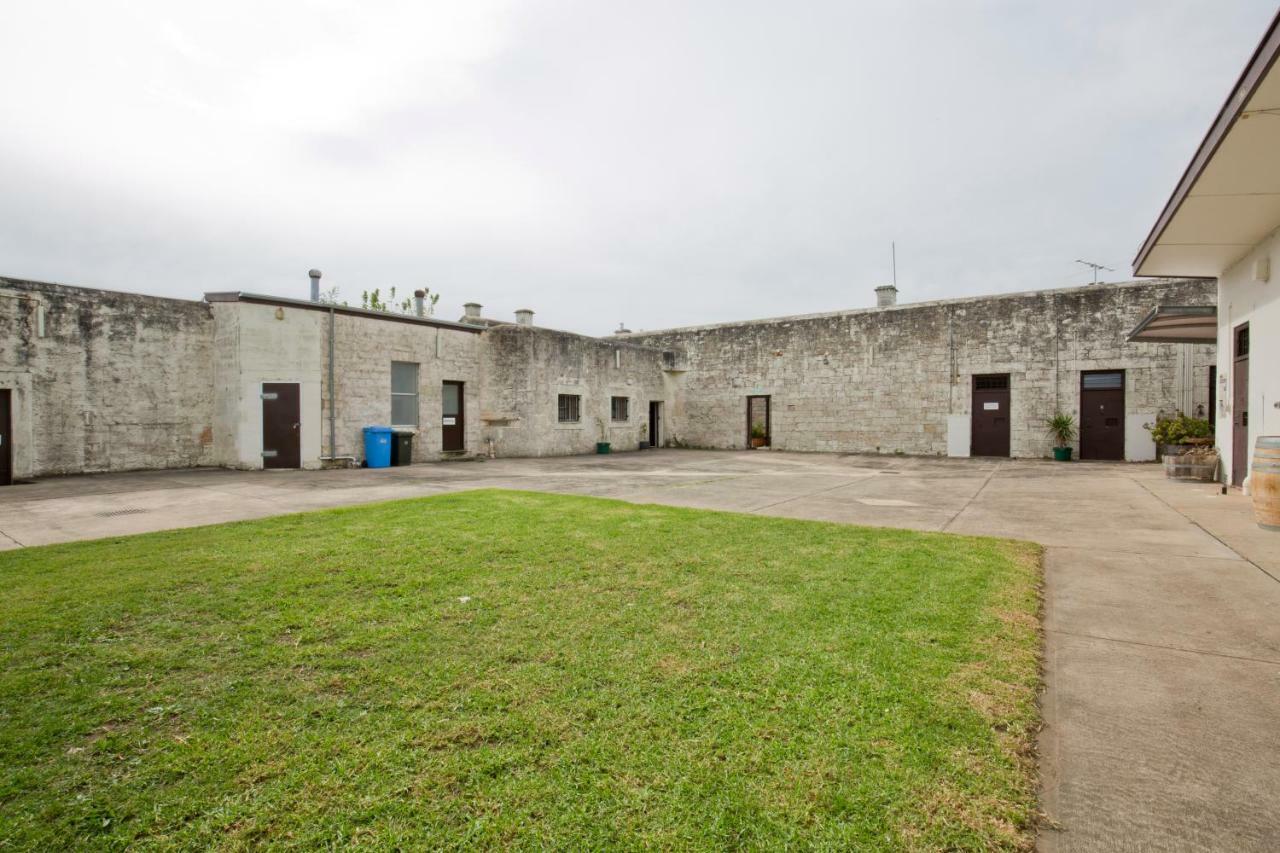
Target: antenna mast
pixel 1095 268
pixel 893 252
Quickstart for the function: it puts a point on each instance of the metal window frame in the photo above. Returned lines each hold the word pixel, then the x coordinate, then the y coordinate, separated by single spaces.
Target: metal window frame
pixel 626 409
pixel 565 402
pixel 415 394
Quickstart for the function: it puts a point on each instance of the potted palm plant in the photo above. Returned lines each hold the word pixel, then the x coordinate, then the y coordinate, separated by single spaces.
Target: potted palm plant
pixel 1063 429
pixel 758 435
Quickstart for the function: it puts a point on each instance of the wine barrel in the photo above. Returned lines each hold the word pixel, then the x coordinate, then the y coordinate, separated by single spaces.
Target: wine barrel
pixel 1264 482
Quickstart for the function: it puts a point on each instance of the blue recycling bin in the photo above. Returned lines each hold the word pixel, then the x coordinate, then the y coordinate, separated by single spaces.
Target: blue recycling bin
pixel 377 446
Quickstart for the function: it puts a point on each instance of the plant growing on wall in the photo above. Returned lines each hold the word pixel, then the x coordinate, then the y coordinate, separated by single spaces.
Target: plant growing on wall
pixel 371 300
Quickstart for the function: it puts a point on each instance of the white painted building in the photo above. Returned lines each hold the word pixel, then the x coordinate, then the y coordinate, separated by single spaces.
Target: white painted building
pixel 1223 222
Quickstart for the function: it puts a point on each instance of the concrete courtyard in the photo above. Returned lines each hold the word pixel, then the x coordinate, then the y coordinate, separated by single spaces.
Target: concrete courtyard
pixel 1162 599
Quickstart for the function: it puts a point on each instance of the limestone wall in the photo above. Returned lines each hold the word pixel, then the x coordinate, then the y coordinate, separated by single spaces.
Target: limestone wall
pixel 526 369
pixel 365 348
pixel 899 379
pixel 118 381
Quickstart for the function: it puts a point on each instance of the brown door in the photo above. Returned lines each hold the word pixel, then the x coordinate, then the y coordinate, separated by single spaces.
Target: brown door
pixel 655 423
pixel 1102 414
pixel 758 419
pixel 989 432
pixel 6 437
pixel 281 426
pixel 1240 405
pixel 453 422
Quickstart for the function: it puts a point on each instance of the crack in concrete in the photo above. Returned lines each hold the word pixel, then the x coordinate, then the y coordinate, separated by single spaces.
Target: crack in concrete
pixel 811 494
pixel 1205 530
pixel 1164 646
pixel 11 539
pixel 973 498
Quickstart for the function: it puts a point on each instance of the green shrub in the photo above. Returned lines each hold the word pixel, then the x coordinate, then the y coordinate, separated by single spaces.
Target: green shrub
pixel 1179 429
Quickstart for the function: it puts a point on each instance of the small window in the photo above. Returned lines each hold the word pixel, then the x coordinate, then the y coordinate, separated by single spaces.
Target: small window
pixel 1242 341
pixel 991 383
pixel 404 393
pixel 1102 381
pixel 569 408
pixel 620 409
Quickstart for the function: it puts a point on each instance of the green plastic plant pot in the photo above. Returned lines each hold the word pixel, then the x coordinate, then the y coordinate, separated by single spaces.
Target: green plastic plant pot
pixel 1062 454
pixel 602 447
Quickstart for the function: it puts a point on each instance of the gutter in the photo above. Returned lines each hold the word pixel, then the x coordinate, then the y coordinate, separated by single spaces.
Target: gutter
pixel 1264 56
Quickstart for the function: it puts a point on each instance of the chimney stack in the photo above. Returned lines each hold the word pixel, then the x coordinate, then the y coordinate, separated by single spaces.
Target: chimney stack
pixel 315 285
pixel 886 295
pixel 622 329
pixel 419 296
pixel 471 312
pixel 524 317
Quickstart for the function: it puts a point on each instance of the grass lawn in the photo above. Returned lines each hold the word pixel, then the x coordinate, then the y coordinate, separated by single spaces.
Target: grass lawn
pixel 500 668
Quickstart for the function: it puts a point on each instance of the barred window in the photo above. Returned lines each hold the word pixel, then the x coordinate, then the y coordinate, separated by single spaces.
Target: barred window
pixel 620 409
pixel 404 393
pixel 569 408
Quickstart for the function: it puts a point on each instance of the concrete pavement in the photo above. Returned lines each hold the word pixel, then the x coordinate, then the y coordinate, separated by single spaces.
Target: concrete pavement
pixel 1162 636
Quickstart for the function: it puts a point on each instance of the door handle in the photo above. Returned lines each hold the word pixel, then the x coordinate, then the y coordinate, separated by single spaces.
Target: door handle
pixel 295 426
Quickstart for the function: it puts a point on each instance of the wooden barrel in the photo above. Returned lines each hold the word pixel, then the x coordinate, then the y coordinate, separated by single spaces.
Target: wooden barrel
pixel 1264 481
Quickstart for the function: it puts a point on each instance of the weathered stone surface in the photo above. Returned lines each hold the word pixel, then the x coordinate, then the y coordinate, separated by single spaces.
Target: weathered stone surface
pixel 892 379
pixel 119 381
pixel 526 368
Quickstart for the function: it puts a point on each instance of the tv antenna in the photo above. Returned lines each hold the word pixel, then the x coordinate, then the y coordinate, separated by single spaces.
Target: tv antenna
pixel 1095 268
pixel 893 251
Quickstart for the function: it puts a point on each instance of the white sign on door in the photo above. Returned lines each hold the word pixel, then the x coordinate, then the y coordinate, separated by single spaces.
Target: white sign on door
pixel 991 407
pixel 450 421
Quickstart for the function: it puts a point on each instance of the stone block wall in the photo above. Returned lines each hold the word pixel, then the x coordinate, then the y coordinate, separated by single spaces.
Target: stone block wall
pixel 899 379
pixel 118 381
pixel 364 349
pixel 526 368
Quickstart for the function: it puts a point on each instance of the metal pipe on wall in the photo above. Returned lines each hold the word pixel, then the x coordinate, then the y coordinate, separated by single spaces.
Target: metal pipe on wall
pixel 333 392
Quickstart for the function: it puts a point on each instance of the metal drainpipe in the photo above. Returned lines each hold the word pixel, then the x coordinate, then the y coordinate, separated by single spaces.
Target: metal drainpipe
pixel 333 396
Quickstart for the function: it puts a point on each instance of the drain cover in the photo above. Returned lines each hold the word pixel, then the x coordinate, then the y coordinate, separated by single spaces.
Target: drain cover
pixel 126 511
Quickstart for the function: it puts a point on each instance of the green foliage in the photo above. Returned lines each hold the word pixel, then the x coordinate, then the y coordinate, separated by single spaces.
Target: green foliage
pixel 1062 427
pixel 1180 429
pixel 757 431
pixel 371 300
pixel 505 670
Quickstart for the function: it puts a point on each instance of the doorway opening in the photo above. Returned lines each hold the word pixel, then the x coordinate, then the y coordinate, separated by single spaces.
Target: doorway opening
pixel 759 421
pixel 655 423
pixel 6 437
pixel 989 418
pixel 1102 414
pixel 453 422
pixel 281 425
pixel 1240 404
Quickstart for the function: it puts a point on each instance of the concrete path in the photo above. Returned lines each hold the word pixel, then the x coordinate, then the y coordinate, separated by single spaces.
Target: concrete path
pixel 1162 599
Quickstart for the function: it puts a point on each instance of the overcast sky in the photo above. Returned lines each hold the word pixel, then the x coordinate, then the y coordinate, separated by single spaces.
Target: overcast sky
pixel 658 163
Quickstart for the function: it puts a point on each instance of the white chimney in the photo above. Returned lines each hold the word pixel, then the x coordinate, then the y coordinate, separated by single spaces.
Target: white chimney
pixel 524 317
pixel 419 296
pixel 886 295
pixel 471 312
pixel 315 285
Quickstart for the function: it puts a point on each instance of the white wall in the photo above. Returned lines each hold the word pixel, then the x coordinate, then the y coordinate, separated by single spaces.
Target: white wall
pixel 257 344
pixel 1241 299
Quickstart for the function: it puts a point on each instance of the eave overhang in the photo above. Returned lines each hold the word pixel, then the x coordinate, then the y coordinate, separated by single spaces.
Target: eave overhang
pixel 1177 324
pixel 1228 199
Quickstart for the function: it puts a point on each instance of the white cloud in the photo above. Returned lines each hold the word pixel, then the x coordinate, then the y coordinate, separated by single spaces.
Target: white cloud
pixel 659 163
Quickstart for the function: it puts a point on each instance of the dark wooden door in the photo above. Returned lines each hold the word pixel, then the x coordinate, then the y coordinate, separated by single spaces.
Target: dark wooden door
pixel 1102 414
pixel 6 437
pixel 758 415
pixel 1240 405
pixel 655 423
pixel 989 429
pixel 453 423
pixel 281 425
